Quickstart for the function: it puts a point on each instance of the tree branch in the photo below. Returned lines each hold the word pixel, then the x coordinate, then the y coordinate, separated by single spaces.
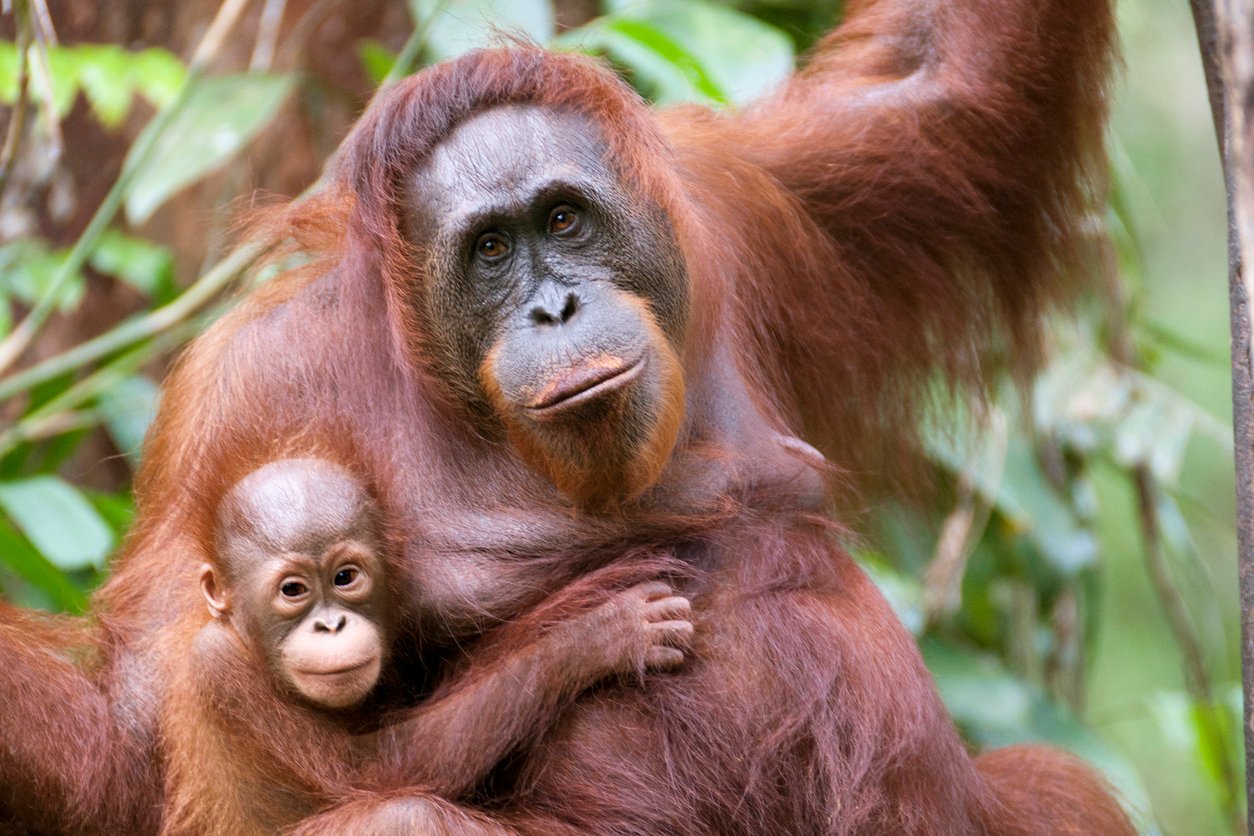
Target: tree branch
pixel 1226 37
pixel 17 118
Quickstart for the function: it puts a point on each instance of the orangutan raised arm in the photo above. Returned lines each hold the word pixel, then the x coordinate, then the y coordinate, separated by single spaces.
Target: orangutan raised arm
pixel 910 202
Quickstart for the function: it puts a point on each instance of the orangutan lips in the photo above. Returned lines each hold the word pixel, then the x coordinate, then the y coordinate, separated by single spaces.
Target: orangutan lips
pixel 584 383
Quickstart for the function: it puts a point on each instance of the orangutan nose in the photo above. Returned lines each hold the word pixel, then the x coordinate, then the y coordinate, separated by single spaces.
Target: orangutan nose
pixel 557 311
pixel 330 623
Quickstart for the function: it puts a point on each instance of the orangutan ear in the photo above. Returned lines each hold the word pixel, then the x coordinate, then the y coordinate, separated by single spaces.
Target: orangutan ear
pixel 215 595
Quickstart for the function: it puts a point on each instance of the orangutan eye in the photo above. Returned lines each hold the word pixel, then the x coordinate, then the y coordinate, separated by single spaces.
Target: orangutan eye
pixel 491 246
pixel 346 576
pixel 293 589
pixel 563 219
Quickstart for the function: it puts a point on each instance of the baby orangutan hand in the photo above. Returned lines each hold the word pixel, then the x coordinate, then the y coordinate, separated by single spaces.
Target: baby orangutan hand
pixel 645 627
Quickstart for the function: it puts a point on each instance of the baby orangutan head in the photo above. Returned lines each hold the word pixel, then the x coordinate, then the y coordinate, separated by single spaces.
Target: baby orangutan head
pixel 298 578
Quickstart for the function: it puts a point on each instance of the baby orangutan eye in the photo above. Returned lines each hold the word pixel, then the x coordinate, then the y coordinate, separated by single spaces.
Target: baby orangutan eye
pixel 346 576
pixel 293 589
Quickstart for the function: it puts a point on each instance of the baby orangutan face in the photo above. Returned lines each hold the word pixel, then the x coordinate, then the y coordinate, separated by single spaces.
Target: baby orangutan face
pixel 298 578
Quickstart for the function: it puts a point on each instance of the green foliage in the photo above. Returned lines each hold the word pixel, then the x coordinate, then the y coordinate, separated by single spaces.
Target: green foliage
pixel 107 74
pixel 1186 727
pixel 145 266
pixel 375 59
pixel 995 708
pixel 127 408
pixel 44 583
pixel 452 27
pixel 27 270
pixel 688 50
pixel 58 521
pixel 54 537
pixel 218 116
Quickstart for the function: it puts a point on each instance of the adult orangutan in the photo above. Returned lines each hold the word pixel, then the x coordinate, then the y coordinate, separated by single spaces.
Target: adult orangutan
pixel 552 327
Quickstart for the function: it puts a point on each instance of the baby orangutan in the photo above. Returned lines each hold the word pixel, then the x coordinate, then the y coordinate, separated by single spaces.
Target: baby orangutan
pixel 273 714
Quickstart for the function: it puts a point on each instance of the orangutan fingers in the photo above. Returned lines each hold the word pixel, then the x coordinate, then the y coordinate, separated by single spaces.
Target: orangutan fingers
pixel 663 658
pixel 652 590
pixel 677 634
pixel 670 608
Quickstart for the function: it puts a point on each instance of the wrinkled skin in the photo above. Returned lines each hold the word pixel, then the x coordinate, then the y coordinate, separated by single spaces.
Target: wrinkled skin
pixel 561 297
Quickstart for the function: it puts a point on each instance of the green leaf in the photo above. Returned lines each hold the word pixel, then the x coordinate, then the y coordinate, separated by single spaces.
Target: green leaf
pixel 1155 431
pixel 105 75
pixel 995 709
pixel 216 120
pixel 58 521
pixel 27 268
pixel 1012 482
pixel 17 554
pixel 129 407
pixel 65 64
pixel 1085 401
pixel 158 75
pixel 657 67
pixel 741 56
pixel 458 26
pixel 118 509
pixel 1174 526
pixel 1052 524
pixel 904 594
pixel 143 265
pixel 981 696
pixel 8 72
pixel 376 59
pixel 672 52
pixel 1167 337
pixel 1191 726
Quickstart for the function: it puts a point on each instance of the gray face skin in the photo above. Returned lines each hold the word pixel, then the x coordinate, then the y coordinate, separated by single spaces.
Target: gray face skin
pixel 539 253
pixel 551 288
pixel 300 580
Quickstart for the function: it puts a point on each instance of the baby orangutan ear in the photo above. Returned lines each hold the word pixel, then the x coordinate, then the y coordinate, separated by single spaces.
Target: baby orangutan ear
pixel 215 595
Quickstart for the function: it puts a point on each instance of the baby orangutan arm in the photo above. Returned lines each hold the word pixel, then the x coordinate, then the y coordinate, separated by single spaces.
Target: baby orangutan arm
pixel 525 678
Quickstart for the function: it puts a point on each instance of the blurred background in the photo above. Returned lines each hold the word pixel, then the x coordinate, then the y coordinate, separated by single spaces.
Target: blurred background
pixel 1072 574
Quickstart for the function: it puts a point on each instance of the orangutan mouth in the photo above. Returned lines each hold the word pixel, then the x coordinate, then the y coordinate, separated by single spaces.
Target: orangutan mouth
pixel 585 384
